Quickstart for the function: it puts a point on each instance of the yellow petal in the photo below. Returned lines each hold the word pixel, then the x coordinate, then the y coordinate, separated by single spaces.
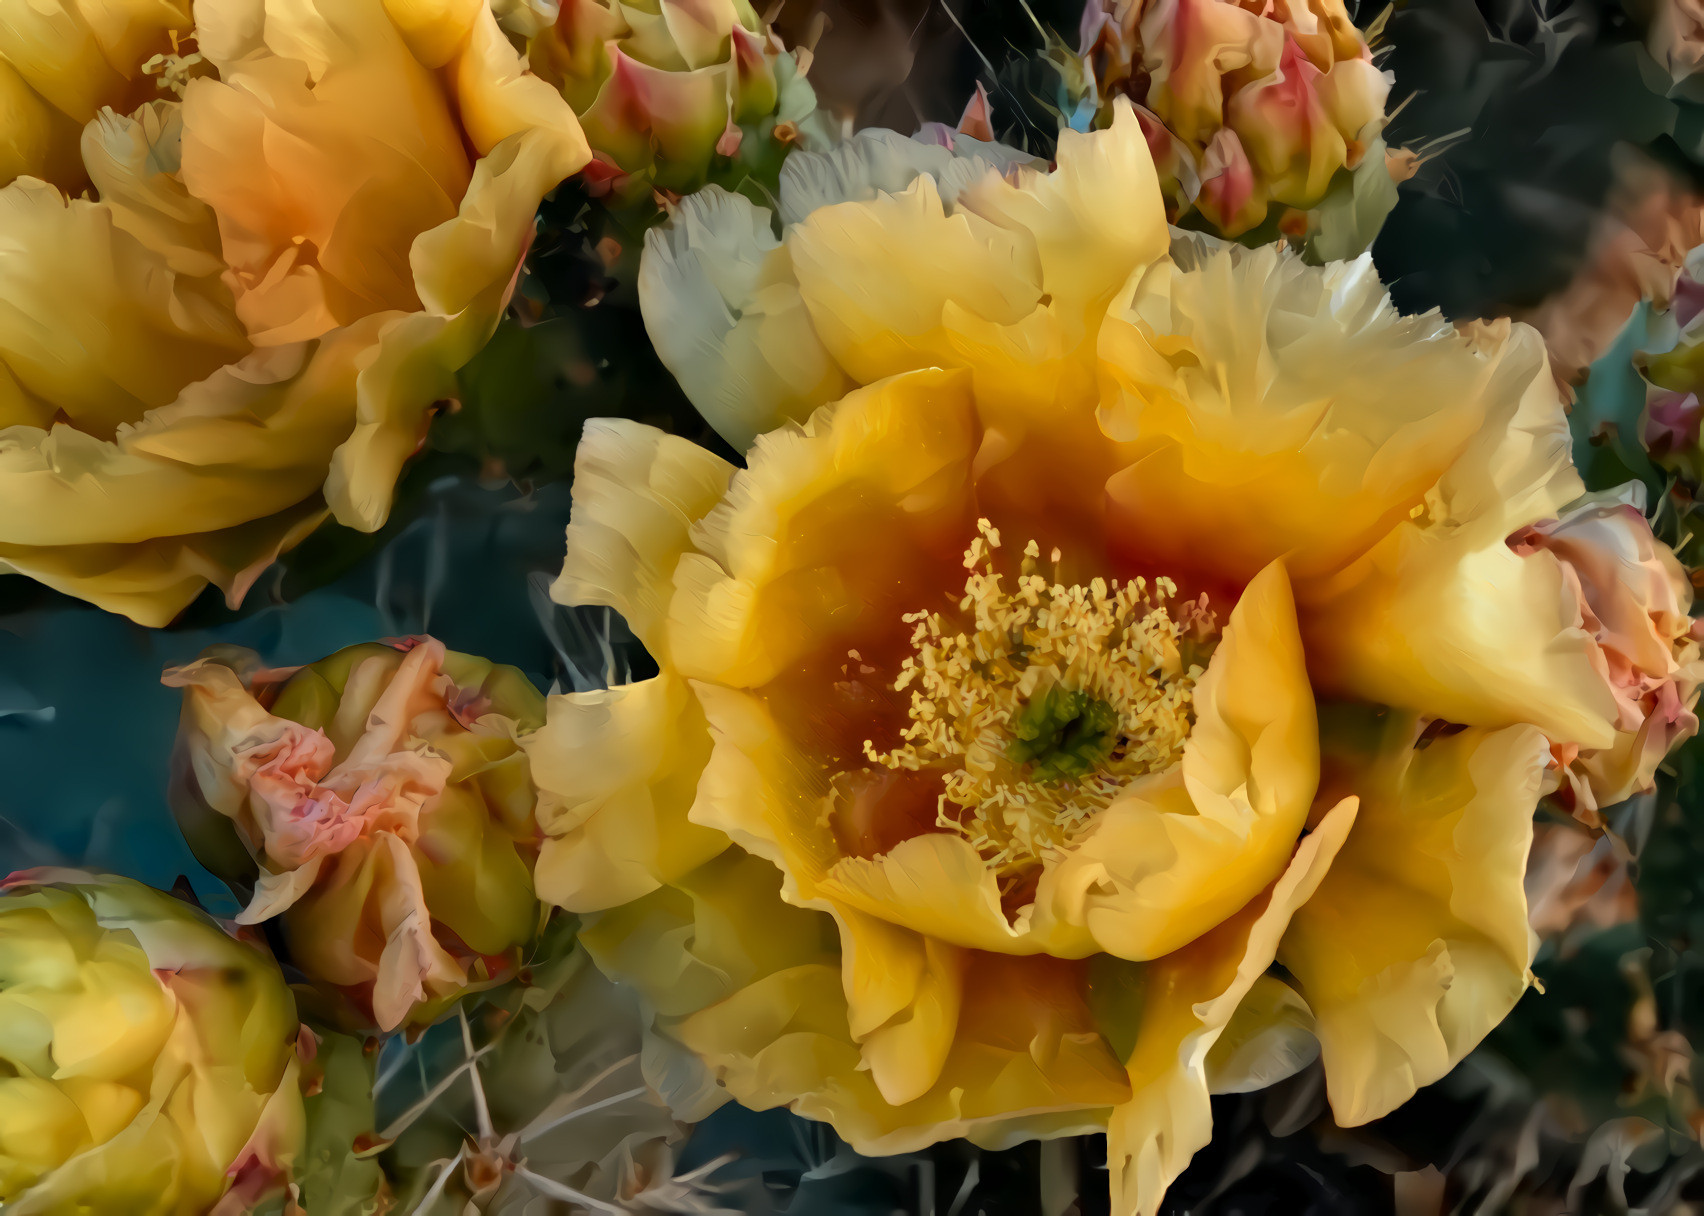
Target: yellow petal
pixel 937 883
pixel 95 322
pixel 752 1000
pixel 36 139
pixel 637 492
pixel 1278 409
pixel 1176 855
pixel 1008 281
pixel 902 1003
pixel 1417 943
pixel 617 771
pixel 1441 617
pixel 1189 997
pixel 879 480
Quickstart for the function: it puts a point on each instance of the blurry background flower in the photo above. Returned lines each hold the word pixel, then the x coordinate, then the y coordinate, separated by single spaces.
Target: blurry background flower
pixel 150 1059
pixel 377 801
pixel 247 330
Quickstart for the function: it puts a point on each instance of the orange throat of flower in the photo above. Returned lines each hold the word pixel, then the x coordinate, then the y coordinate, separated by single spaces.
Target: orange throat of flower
pixel 1038 702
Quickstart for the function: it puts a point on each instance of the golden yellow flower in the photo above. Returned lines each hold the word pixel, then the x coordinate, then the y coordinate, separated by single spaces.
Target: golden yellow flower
pixel 1009 662
pixel 1102 617
pixel 280 274
pixel 150 1059
pixel 378 803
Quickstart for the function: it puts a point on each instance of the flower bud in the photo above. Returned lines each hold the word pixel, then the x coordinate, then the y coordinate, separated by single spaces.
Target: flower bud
pixel 1634 599
pixel 1278 106
pixel 150 1064
pixel 668 98
pixel 377 802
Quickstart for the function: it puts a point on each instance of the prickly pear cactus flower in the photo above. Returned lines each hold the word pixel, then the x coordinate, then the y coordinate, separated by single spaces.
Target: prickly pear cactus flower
pixel 233 319
pixel 377 802
pixel 675 93
pixel 150 1059
pixel 1252 112
pixel 1109 681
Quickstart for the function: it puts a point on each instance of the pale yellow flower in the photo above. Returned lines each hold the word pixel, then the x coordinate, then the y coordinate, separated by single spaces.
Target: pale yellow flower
pixel 150 1059
pixel 1102 616
pixel 280 274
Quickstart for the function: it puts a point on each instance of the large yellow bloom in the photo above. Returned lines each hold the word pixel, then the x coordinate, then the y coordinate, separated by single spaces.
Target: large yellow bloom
pixel 280 275
pixel 150 1060
pixel 1103 616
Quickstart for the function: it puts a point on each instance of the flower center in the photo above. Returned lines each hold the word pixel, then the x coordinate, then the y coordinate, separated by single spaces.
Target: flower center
pixel 1040 701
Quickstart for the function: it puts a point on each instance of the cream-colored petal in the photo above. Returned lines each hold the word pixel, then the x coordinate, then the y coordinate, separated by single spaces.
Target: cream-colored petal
pixel 1417 943
pixel 1179 853
pixel 617 771
pixel 412 967
pixel 132 162
pixel 875 161
pixel 273 893
pixel 1270 1037
pixel 724 312
pixel 637 492
pixel 1189 997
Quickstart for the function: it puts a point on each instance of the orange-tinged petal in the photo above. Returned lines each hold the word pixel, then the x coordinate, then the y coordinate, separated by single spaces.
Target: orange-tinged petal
pixel 1178 854
pixel 784 563
pixel 1189 997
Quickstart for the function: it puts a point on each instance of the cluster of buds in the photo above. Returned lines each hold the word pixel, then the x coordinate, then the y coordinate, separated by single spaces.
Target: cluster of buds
pixel 674 94
pixel 1259 116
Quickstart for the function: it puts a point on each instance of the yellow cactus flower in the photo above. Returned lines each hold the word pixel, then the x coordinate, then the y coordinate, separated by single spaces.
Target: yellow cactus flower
pixel 150 1059
pixel 245 329
pixel 1103 619
pixel 378 802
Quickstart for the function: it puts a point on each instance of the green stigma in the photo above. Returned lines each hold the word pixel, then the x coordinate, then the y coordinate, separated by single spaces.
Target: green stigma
pixel 1063 734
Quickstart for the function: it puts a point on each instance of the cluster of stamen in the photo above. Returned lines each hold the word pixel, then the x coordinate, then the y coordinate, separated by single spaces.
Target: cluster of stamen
pixel 1039 702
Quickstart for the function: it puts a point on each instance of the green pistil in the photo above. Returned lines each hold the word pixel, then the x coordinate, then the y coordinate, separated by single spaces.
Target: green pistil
pixel 1062 734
